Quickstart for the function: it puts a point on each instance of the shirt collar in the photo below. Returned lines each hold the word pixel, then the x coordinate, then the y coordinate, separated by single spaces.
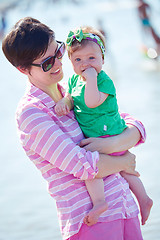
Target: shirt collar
pixel 42 96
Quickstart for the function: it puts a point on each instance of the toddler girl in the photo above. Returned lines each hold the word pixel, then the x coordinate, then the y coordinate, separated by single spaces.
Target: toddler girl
pixel 92 94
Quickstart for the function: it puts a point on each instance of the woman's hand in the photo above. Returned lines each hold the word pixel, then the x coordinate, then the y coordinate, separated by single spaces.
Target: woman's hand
pixel 108 165
pixel 102 145
pixel 130 164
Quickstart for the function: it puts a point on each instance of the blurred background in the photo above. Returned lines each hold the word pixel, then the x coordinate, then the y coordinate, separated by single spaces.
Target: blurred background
pixel 132 32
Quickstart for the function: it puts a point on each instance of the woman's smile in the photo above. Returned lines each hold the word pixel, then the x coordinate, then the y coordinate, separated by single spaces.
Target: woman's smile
pixel 57 71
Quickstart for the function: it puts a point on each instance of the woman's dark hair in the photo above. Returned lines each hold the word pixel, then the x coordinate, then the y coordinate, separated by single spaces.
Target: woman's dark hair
pixel 27 41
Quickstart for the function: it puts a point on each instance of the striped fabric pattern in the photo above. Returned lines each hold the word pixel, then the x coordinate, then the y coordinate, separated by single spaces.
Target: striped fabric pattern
pixel 51 143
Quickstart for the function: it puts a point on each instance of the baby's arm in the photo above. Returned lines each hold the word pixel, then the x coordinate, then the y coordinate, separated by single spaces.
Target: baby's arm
pixel 93 97
pixel 64 106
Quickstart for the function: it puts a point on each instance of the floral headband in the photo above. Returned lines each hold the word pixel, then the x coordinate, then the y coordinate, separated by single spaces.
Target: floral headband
pixel 79 36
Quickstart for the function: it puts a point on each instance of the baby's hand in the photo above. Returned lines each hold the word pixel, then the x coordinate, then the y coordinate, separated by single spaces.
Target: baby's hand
pixel 61 108
pixel 89 73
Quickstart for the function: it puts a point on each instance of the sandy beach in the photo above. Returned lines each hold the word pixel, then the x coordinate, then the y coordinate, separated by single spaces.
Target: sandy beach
pixel 27 212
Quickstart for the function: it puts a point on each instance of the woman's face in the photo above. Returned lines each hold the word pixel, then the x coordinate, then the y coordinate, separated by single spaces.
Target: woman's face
pixel 42 79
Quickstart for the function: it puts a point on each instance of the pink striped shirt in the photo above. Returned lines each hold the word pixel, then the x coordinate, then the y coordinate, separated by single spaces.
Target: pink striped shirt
pixel 51 144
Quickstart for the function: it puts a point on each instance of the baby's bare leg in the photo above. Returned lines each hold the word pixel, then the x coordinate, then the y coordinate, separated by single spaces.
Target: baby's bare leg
pixel 95 188
pixel 137 187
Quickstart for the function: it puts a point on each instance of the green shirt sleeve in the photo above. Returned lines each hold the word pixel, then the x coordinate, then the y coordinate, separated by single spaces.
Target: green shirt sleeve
pixel 105 84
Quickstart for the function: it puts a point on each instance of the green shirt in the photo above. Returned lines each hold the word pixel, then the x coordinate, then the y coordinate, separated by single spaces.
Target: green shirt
pixel 102 120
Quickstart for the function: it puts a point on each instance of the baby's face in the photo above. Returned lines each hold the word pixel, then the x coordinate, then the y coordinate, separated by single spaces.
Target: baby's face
pixel 89 56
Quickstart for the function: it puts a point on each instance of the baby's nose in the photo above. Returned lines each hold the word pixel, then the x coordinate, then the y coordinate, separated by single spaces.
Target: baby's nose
pixel 85 63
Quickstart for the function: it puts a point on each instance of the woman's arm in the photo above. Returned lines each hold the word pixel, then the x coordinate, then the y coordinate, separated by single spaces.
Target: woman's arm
pixel 134 135
pixel 41 135
pixel 124 141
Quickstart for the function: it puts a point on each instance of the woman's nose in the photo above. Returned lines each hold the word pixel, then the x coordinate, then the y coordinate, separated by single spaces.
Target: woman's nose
pixel 58 62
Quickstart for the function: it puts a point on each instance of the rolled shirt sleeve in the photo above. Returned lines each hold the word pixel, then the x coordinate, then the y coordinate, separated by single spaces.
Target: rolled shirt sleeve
pixel 41 134
pixel 138 124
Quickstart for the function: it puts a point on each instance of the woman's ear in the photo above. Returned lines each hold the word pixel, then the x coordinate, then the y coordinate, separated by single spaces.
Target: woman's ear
pixel 23 70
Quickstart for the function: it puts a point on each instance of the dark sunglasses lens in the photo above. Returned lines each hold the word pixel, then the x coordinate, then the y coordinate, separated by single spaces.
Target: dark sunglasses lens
pixel 61 51
pixel 48 64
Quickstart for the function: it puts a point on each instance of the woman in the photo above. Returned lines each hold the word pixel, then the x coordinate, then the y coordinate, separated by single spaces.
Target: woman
pixel 53 143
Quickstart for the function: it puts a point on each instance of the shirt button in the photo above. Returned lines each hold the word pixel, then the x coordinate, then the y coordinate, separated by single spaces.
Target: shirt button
pixel 80 155
pixel 117 175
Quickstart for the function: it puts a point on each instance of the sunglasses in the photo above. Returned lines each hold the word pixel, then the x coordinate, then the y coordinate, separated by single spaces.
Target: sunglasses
pixel 48 63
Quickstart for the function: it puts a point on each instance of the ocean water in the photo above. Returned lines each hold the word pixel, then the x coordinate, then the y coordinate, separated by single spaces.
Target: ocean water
pixel 27 212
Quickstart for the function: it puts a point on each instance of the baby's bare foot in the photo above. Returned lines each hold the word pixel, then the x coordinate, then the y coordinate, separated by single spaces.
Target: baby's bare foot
pixel 145 209
pixel 93 215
